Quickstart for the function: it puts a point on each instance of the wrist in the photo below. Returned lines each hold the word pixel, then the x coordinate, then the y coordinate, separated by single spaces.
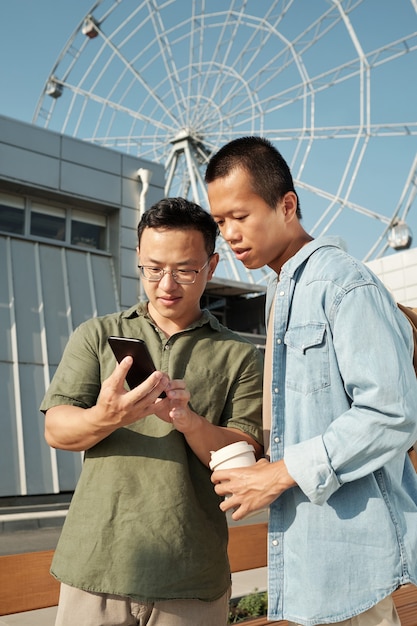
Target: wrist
pixel 97 422
pixel 192 425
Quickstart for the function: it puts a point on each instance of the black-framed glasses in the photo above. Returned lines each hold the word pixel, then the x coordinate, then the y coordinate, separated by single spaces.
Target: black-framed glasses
pixel 182 277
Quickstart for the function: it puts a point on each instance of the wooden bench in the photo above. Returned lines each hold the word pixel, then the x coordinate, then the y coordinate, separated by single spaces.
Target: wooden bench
pixel 26 584
pixel 248 550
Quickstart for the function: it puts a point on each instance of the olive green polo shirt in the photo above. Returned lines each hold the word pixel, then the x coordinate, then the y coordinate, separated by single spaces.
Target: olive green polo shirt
pixel 144 519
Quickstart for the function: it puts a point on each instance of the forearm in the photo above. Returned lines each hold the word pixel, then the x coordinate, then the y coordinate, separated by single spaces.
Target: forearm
pixel 202 436
pixel 74 428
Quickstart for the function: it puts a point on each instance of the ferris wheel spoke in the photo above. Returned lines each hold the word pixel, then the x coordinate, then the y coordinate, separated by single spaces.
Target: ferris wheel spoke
pixel 88 96
pixel 405 203
pixel 220 43
pixel 172 82
pixel 141 81
pixel 343 193
pixel 347 203
pixel 195 52
pixel 170 65
pixel 299 45
pixel 333 76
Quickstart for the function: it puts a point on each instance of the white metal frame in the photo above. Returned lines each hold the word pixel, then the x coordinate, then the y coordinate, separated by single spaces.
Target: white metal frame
pixel 182 89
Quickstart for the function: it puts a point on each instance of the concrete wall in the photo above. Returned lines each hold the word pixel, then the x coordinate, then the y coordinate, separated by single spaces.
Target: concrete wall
pixel 56 167
pixel 48 286
pixel 399 273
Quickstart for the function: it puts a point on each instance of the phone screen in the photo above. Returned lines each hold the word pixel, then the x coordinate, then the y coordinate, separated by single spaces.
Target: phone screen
pixel 142 365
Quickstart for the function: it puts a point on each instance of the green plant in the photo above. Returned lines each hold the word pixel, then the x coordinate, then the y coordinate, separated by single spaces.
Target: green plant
pixel 253 605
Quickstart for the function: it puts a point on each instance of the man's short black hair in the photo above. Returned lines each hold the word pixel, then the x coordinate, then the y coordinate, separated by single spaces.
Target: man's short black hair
pixel 179 213
pixel 269 172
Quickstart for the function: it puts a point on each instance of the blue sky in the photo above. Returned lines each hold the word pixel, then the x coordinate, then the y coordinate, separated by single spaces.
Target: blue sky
pixel 33 33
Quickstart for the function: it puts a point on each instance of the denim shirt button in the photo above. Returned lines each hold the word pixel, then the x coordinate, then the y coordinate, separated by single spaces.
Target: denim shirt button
pixel 275 542
pixel 279 342
pixel 282 293
pixel 276 439
pixel 276 390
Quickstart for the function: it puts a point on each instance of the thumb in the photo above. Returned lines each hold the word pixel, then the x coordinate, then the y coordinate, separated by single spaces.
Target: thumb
pixel 120 371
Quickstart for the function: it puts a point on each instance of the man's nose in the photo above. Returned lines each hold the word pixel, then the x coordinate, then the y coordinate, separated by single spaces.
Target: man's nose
pixel 231 232
pixel 167 281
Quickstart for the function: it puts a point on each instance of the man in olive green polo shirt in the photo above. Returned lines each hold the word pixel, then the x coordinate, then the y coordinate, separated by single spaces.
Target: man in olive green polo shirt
pixel 144 541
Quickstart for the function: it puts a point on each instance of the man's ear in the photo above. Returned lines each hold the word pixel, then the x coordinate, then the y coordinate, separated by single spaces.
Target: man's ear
pixel 290 205
pixel 214 259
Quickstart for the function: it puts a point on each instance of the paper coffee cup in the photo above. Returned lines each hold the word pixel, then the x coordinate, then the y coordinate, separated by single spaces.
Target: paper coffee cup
pixel 239 454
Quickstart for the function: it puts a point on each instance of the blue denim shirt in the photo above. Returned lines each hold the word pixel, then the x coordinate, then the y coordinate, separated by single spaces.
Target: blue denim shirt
pixel 344 413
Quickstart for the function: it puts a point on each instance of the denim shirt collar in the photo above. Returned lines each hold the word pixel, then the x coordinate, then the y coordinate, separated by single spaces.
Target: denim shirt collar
pixel 291 266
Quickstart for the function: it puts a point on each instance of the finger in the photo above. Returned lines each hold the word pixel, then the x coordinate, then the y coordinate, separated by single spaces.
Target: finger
pixel 151 388
pixel 119 373
pixel 178 398
pixel 223 489
pixel 178 394
pixel 231 503
pixel 220 476
pixel 176 383
pixel 238 514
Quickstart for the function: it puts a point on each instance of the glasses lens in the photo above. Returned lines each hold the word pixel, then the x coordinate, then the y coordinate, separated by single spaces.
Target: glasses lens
pixel 183 277
pixel 151 273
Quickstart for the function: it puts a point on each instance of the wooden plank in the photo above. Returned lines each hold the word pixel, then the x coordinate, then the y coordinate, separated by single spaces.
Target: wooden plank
pixel 405 599
pixel 262 621
pixel 247 546
pixel 25 582
pixel 413 456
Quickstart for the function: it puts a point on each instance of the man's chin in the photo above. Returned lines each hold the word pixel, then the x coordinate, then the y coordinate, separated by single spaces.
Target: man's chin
pixel 251 265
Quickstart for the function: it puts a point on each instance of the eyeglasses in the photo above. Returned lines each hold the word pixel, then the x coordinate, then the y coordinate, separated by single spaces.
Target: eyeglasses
pixel 182 277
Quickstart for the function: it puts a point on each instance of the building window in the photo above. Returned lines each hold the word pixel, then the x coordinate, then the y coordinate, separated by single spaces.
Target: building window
pixel 48 222
pixel 12 214
pixel 88 230
pixel 75 227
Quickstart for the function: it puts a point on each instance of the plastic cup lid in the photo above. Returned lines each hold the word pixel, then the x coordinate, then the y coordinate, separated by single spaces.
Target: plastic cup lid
pixel 230 451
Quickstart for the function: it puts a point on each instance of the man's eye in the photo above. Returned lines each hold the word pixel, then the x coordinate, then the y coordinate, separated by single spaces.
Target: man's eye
pixel 184 272
pixel 154 270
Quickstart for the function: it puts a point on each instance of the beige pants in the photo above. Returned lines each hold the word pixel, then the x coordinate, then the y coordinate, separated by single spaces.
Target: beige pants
pixel 81 608
pixel 382 614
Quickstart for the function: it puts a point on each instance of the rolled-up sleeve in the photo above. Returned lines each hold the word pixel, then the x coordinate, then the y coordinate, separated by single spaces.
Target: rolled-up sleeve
pixel 316 478
pixel 373 348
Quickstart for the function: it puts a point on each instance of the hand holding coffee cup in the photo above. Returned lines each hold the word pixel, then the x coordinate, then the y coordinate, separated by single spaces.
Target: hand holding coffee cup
pixel 238 454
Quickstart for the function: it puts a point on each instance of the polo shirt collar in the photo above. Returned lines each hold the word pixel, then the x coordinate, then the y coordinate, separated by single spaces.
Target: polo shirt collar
pixel 141 309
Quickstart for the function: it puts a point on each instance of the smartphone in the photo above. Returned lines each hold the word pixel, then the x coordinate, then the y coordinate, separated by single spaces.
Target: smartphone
pixel 142 365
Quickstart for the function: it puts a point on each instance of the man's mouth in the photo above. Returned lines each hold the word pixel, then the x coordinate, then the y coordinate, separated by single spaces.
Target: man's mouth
pixel 168 300
pixel 241 253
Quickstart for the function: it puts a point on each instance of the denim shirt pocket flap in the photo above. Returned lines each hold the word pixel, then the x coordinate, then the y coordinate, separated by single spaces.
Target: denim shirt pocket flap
pixel 307 365
pixel 305 336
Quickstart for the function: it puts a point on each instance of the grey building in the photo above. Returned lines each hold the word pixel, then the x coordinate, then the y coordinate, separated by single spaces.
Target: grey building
pixel 68 217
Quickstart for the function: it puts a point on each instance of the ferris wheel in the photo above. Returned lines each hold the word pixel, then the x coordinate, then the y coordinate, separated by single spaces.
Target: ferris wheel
pixel 332 83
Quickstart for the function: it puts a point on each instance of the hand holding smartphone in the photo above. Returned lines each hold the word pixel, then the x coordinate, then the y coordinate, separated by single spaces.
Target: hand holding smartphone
pixel 142 365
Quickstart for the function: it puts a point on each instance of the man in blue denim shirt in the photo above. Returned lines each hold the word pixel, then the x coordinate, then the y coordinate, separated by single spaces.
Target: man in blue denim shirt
pixel 341 393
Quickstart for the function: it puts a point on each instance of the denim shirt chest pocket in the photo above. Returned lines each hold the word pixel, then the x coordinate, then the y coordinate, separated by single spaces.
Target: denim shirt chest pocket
pixel 307 364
